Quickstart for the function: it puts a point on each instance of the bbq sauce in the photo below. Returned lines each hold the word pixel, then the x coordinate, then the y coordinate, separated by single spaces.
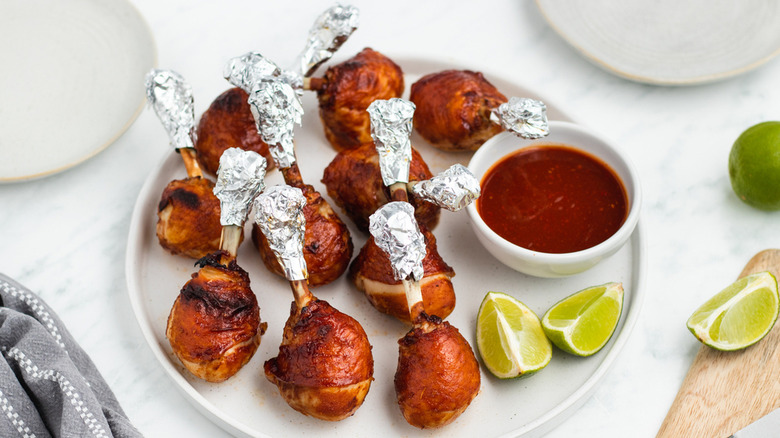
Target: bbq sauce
pixel 553 199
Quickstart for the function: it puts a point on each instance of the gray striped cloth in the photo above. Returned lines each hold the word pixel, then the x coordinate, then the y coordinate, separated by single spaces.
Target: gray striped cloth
pixel 49 387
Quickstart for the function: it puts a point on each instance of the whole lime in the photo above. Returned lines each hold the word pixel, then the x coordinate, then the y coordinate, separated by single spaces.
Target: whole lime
pixel 754 166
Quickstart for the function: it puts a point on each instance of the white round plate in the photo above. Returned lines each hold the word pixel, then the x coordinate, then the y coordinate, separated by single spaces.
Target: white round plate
pixel 669 42
pixel 248 405
pixel 72 81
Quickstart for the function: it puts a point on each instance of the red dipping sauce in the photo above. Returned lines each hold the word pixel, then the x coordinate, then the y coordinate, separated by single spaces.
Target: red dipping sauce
pixel 553 199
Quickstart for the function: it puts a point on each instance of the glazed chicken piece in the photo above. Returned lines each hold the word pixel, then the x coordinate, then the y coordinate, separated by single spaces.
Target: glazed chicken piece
pixel 188 212
pixel 214 327
pixel 188 217
pixel 453 109
pixel 228 123
pixel 324 367
pixel 346 91
pixel 437 375
pixel 372 273
pixel 327 244
pixel 354 182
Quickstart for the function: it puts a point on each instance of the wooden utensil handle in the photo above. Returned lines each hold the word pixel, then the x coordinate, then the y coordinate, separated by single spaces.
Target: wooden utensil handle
pixel 725 391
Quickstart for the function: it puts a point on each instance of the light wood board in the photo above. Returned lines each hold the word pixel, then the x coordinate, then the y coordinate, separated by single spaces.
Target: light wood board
pixel 725 391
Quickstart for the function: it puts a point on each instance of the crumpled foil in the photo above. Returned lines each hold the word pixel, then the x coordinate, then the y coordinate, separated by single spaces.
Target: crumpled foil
pixel 279 214
pixel 329 32
pixel 250 68
pixel 171 97
pixel 526 118
pixel 453 189
pixel 276 109
pixel 396 232
pixel 391 126
pixel 240 177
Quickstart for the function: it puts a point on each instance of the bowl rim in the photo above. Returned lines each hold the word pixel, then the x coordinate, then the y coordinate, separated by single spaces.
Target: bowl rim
pixel 632 186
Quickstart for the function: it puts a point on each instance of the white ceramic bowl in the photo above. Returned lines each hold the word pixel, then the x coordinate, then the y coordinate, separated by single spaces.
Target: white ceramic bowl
pixel 541 264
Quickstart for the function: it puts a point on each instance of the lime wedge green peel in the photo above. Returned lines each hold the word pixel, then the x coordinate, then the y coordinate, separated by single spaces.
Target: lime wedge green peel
pixel 738 316
pixel 582 323
pixel 510 337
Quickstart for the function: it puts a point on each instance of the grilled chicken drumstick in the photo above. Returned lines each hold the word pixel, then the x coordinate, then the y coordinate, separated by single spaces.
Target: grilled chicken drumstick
pixel 346 91
pixel 276 109
pixel 324 367
pixel 228 122
pixel 437 375
pixel 371 271
pixel 214 327
pixel 188 212
pixel 455 109
pixel 354 182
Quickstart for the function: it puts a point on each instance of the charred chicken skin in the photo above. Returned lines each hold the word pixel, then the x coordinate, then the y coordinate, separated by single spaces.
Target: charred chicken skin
pixel 437 375
pixel 372 273
pixel 348 89
pixel 453 109
pixel 228 123
pixel 188 218
pixel 324 368
pixel 214 326
pixel 354 182
pixel 327 245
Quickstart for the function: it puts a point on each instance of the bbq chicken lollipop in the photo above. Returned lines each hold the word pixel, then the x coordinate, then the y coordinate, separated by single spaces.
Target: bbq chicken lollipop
pixel 453 109
pixel 371 271
pixel 354 182
pixel 276 109
pixel 228 121
pixel 372 274
pixel 324 367
pixel 327 243
pixel 214 326
pixel 348 89
pixel 459 110
pixel 188 212
pixel 437 375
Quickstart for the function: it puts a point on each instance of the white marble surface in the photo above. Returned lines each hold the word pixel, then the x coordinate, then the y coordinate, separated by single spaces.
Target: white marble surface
pixel 65 236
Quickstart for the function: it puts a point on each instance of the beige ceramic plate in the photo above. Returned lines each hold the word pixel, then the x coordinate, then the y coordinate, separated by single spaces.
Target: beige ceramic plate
pixel 670 42
pixel 72 81
pixel 248 405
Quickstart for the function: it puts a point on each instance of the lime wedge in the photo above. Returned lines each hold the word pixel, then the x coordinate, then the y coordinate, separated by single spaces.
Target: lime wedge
pixel 583 322
pixel 510 338
pixel 738 316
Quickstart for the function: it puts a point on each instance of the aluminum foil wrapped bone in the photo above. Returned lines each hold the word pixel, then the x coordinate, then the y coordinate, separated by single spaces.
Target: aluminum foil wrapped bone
pixel 276 109
pixel 453 189
pixel 526 118
pixel 391 126
pixel 171 97
pixel 250 68
pixel 329 32
pixel 279 214
pixel 396 232
pixel 240 178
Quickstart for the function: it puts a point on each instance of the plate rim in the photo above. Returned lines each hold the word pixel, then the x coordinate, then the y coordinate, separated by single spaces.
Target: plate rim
pixel 539 425
pixel 147 31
